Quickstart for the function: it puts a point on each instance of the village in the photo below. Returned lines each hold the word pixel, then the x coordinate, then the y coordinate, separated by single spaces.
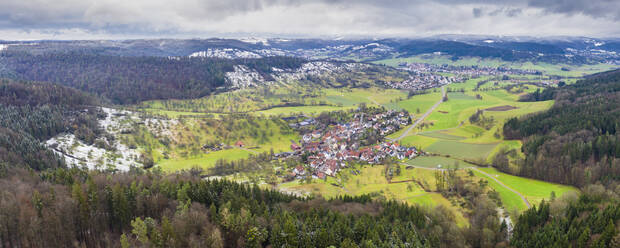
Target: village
pixel 426 76
pixel 423 81
pixel 328 150
pixel 471 71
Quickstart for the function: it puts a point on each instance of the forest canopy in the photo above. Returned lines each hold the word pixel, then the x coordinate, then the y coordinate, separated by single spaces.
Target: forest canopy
pixel 128 80
pixel 577 141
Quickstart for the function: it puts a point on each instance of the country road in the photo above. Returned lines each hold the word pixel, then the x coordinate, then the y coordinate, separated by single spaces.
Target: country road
pixel 419 120
pixel 527 203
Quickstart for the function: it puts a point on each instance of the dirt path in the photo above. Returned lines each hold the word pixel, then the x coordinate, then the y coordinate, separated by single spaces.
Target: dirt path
pixel 527 203
pixel 373 101
pixel 249 150
pixel 419 120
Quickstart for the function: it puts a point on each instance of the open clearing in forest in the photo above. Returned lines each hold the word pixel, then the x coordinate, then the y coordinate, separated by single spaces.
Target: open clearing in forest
pixel 371 180
pixel 534 191
pixel 203 161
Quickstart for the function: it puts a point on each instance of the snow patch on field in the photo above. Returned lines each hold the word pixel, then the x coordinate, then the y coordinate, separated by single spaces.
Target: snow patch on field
pixel 117 155
pixel 317 68
pixel 243 77
pixel 162 127
pixel 2 47
pixel 253 40
pixel 225 53
pixel 78 154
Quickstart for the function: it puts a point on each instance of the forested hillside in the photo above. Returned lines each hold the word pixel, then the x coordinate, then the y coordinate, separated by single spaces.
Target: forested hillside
pixel 66 208
pixel 507 51
pixel 577 141
pixel 32 112
pixel 127 80
pixel 588 221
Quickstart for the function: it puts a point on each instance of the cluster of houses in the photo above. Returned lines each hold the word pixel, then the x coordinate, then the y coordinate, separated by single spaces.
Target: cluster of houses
pixel 471 71
pixel 426 76
pixel 304 123
pixel 423 81
pixel 328 151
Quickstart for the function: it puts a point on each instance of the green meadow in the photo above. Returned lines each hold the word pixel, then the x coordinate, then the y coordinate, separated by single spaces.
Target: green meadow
pixel 533 190
pixel 447 132
pixel 202 161
pixel 371 180
pixel 546 68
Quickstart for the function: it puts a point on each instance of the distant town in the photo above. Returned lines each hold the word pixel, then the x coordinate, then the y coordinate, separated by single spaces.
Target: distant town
pixel 426 76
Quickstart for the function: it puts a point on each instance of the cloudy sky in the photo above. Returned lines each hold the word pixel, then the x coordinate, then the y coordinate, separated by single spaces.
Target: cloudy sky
pixel 113 19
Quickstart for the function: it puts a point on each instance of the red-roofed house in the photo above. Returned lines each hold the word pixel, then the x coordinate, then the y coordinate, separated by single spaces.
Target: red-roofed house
pixel 295 146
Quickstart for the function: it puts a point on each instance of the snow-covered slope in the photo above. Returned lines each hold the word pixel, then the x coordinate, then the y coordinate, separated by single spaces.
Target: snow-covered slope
pixel 244 77
pixel 225 53
pixel 114 155
pixel 77 153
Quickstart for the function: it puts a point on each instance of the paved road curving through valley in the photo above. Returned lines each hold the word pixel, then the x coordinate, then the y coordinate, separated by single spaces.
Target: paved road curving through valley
pixel 419 120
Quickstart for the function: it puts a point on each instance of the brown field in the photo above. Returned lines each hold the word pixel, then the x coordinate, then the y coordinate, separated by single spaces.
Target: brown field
pixel 501 108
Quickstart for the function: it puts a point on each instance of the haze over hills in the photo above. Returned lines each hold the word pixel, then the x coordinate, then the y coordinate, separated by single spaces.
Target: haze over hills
pixel 511 48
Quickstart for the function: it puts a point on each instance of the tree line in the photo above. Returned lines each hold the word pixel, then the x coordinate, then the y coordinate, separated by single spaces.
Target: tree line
pixel 72 207
pixel 589 220
pixel 32 112
pixel 577 141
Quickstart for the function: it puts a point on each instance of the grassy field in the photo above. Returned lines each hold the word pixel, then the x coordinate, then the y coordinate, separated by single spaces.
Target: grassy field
pixel 418 141
pixel 436 199
pixel 177 114
pixel 269 102
pixel 550 69
pixel 186 142
pixel 533 190
pixel 371 180
pixel 434 161
pixel 284 111
pixel 441 135
pixel 462 150
pixel 202 161
pixel 510 201
pixel 448 131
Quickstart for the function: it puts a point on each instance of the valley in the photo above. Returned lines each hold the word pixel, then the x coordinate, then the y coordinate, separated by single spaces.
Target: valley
pixel 253 134
pixel 442 130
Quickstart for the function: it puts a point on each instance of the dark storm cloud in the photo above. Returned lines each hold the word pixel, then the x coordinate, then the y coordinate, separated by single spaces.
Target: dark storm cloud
pixel 312 17
pixel 477 12
pixel 594 8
